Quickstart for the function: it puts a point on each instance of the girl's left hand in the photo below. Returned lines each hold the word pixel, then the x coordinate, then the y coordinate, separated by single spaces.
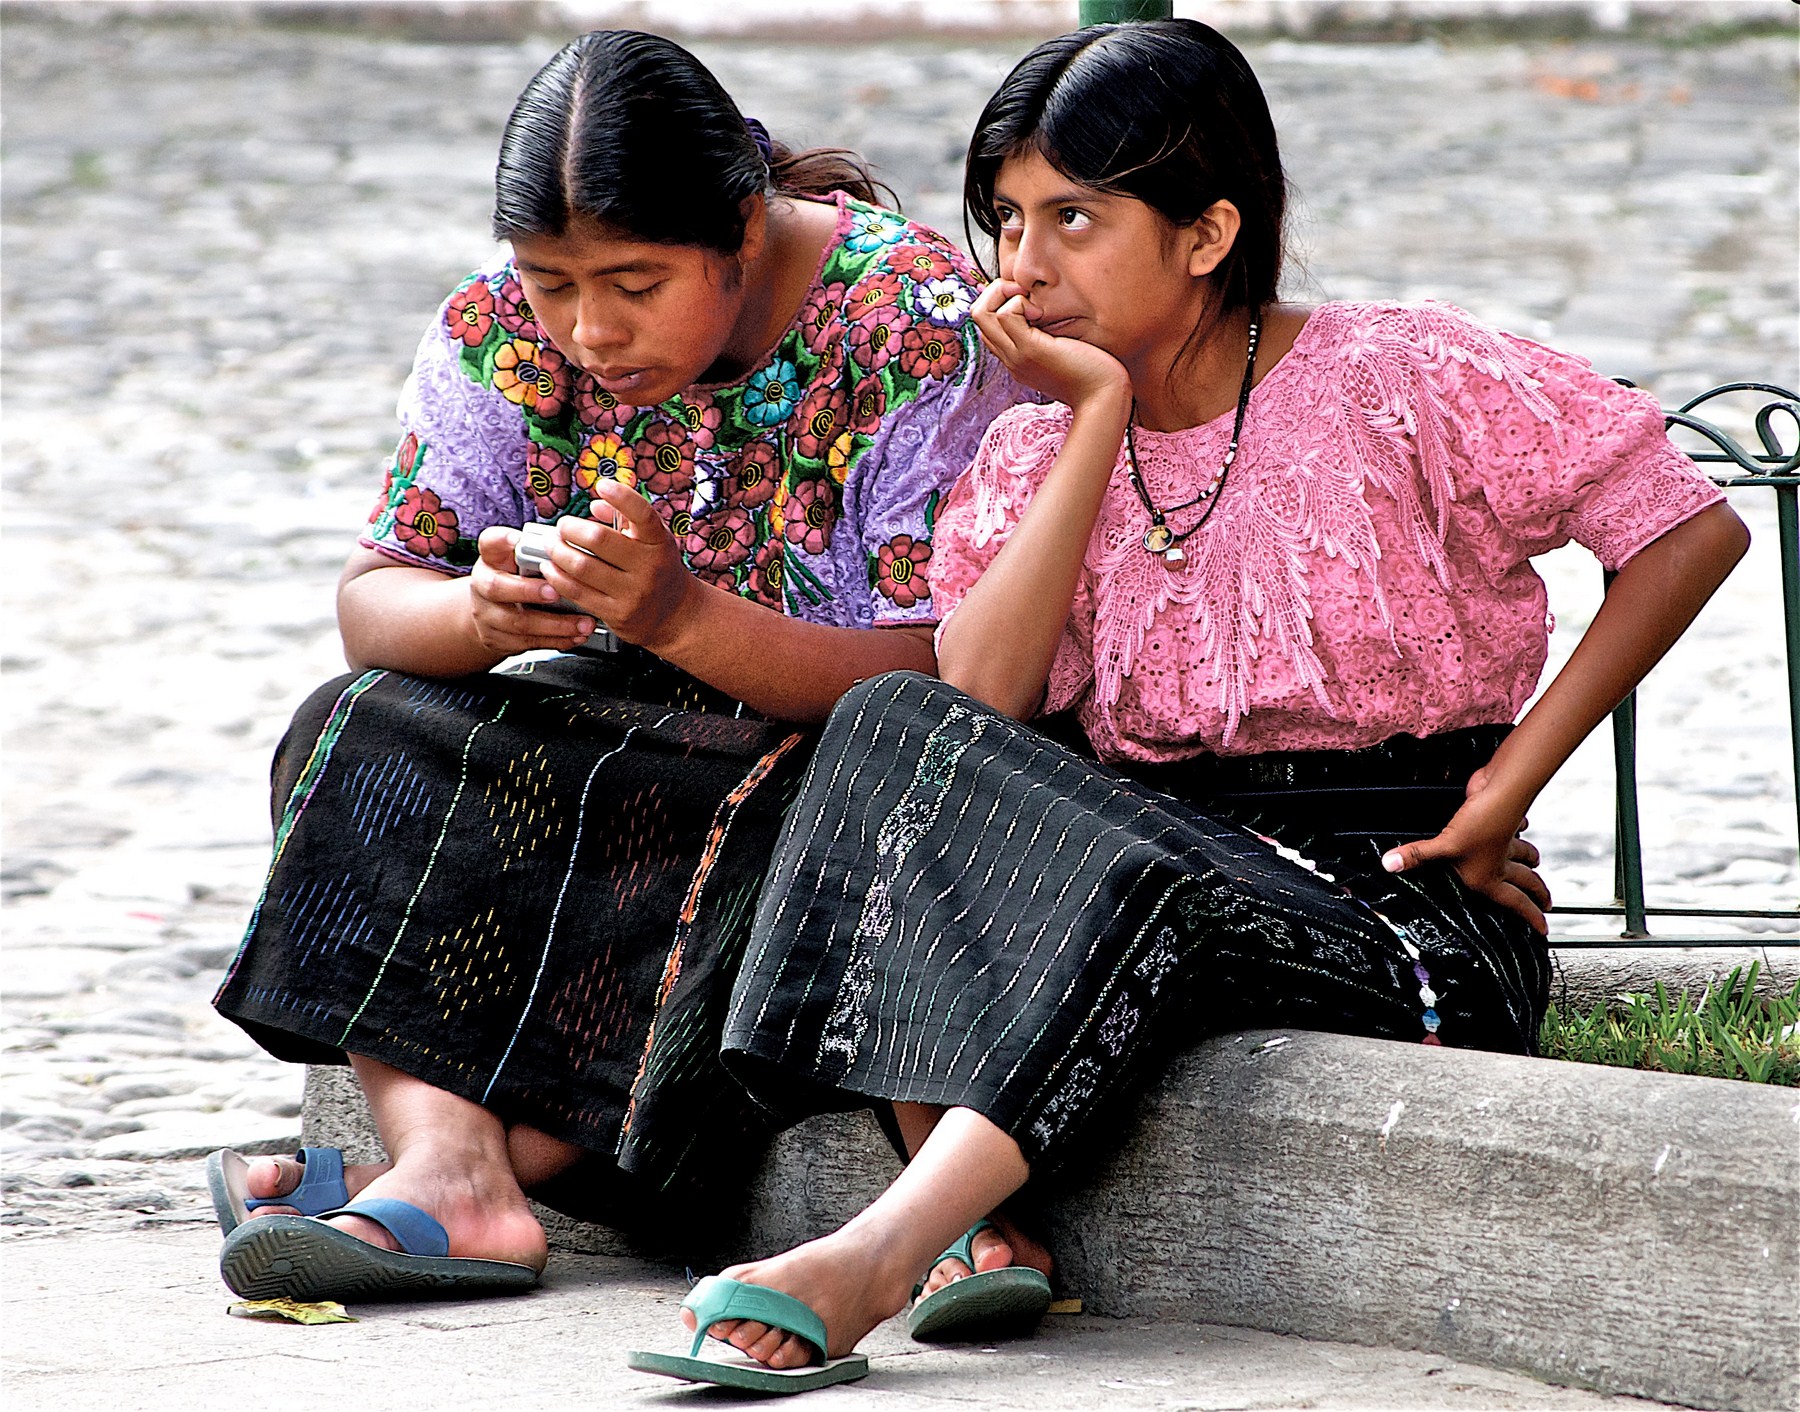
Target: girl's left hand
pixel 629 574
pixel 1482 843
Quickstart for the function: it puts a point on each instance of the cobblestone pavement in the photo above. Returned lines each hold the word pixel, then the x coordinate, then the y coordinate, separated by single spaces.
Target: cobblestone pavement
pixel 221 245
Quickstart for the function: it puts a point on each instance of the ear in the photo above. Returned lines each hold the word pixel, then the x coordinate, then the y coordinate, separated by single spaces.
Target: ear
pixel 1213 235
pixel 755 210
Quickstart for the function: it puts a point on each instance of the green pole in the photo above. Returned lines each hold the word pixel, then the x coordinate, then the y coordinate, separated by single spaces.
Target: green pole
pixel 1110 12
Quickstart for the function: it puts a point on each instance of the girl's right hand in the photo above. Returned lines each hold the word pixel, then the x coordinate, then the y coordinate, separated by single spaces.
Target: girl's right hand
pixel 1066 369
pixel 509 610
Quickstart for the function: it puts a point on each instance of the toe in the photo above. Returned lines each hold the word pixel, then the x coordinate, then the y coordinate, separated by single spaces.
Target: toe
pixel 945 1272
pixel 271 1176
pixel 793 1353
pixel 766 1348
pixel 742 1334
pixel 991 1251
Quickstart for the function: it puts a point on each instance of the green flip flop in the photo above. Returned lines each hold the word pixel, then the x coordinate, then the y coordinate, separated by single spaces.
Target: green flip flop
pixel 716 1298
pixel 984 1305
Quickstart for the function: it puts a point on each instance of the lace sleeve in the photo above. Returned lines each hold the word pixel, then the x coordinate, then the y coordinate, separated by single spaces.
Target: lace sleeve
pixel 1580 458
pixel 459 466
pixel 979 516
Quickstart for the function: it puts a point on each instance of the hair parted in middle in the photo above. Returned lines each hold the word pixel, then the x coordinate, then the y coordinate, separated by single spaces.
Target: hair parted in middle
pixel 632 131
pixel 1164 111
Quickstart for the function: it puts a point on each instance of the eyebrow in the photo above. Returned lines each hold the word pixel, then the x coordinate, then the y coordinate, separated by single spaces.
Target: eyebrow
pixel 1074 196
pixel 624 267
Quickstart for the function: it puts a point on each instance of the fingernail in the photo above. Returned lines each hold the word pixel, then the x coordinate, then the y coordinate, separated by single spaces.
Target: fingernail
pixel 1392 861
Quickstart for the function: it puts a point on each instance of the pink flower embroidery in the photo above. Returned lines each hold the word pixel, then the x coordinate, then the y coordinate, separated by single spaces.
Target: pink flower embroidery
pixel 927 352
pixel 900 572
pixel 754 475
pixel 664 458
pixel 872 342
pixel 702 417
pixel 598 408
pixel 470 313
pixel 820 421
pixel 874 295
pixel 807 518
pixel 719 542
pixel 768 572
pixel 514 311
pixel 922 262
pixel 676 512
pixel 819 315
pixel 867 405
pixel 426 526
pixel 547 479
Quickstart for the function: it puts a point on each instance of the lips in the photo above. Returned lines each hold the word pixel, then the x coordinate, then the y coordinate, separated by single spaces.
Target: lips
pixel 619 383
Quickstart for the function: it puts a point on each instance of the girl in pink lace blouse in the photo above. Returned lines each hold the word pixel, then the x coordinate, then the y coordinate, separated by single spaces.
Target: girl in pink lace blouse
pixel 1259 576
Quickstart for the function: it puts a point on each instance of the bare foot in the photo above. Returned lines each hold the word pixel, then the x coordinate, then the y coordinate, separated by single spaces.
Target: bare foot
pixel 997 1249
pixel 277 1176
pixel 839 1276
pixel 481 1208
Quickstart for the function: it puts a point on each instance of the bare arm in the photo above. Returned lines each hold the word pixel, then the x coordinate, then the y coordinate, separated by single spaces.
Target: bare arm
pixel 1000 643
pixel 414 619
pixel 1651 602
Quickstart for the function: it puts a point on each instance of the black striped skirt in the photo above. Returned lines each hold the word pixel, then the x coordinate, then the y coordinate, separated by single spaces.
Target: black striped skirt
pixel 531 889
pixel 964 911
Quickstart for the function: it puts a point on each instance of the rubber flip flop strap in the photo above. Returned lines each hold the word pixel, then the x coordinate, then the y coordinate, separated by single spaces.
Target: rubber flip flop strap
pixel 963 1249
pixel 716 1298
pixel 417 1232
pixel 321 1183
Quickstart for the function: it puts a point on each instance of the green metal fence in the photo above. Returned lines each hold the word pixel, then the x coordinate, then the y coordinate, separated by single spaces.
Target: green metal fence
pixel 1771 409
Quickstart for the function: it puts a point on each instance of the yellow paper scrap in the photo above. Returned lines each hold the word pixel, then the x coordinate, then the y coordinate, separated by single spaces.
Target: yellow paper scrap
pixel 326 1311
pixel 1064 1306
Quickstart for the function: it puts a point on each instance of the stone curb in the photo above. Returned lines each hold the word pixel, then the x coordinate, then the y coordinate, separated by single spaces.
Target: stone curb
pixel 1631 1232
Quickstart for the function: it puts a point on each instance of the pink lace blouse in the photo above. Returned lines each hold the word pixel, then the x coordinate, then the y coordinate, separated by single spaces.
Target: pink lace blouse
pixel 1366 570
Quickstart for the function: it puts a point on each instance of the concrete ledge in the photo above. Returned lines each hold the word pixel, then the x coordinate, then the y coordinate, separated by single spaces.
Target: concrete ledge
pixel 1636 1233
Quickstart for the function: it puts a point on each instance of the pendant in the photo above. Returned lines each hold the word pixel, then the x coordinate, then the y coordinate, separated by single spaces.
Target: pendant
pixel 1173 556
pixel 1159 538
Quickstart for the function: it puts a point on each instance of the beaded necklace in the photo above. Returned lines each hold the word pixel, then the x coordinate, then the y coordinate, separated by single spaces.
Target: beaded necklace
pixel 1159 538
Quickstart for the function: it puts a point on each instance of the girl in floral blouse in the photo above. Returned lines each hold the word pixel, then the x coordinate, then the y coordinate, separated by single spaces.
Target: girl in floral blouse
pixel 515 901
pixel 1259 575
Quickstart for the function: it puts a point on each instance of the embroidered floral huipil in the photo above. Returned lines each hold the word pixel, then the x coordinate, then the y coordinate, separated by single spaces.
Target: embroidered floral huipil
pixel 1365 572
pixel 810 485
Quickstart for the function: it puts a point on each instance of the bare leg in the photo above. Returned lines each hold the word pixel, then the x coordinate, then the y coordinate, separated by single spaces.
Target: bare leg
pixel 995 1249
pixel 453 1159
pixel 862 1273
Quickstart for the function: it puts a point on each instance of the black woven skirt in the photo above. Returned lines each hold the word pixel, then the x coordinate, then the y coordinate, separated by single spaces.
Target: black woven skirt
pixel 530 889
pixel 964 911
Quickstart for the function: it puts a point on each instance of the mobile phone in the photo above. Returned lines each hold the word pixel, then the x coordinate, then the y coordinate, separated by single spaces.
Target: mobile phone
pixel 535 542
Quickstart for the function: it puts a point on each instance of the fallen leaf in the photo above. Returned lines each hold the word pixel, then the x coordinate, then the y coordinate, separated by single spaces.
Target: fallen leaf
pixel 326 1311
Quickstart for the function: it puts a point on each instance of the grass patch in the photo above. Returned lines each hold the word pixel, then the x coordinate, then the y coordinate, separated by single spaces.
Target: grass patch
pixel 1728 1033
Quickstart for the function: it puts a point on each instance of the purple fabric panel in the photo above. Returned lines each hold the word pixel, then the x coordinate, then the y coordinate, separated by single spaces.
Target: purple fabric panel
pixel 473 442
pixel 920 450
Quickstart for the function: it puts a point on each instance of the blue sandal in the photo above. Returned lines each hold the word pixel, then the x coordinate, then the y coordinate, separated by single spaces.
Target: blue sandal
pixel 306 1258
pixel 321 1185
pixel 715 1299
pixel 983 1305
